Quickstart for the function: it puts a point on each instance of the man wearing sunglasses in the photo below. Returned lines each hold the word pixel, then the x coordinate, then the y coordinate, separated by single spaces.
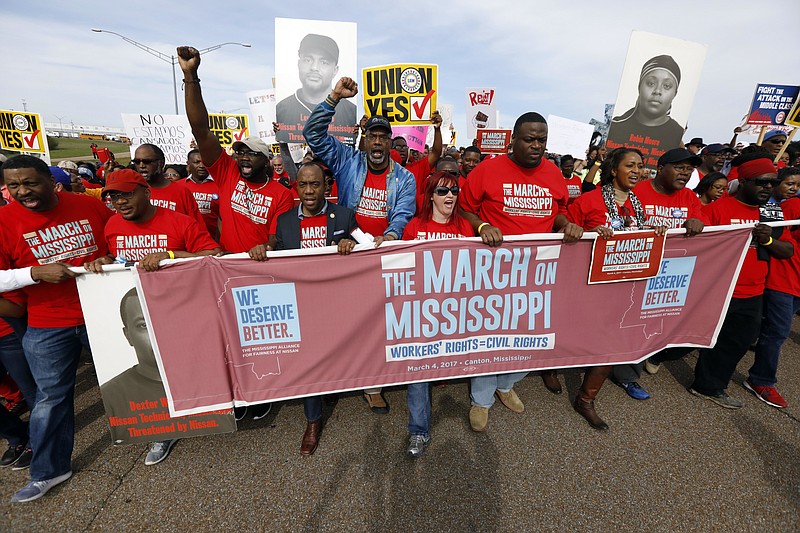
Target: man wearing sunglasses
pixel 148 160
pixel 716 365
pixel 381 192
pixel 249 199
pixel 773 141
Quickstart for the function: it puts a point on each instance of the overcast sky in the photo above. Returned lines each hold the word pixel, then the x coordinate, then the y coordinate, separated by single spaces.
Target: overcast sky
pixel 561 58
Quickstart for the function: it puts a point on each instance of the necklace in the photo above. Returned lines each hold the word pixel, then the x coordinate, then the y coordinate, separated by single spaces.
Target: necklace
pixel 256 189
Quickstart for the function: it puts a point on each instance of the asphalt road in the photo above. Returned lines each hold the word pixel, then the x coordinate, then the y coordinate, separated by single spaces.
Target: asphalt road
pixel 674 462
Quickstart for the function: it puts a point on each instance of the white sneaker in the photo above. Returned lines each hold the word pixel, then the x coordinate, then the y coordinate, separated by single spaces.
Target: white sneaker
pixel 159 451
pixel 36 489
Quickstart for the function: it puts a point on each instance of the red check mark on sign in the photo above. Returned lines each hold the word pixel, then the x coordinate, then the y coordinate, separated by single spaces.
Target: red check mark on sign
pixel 29 140
pixel 418 109
pixel 239 135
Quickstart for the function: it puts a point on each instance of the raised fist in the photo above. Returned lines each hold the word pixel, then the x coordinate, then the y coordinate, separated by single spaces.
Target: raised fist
pixel 188 58
pixel 345 88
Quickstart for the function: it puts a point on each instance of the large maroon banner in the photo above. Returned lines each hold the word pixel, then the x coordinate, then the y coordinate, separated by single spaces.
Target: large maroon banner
pixel 234 330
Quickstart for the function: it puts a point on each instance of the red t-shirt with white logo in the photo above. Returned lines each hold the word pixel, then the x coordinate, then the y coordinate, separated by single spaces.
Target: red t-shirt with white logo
pixel 516 199
pixel 166 230
pixel 458 227
pixel 71 233
pixel 206 194
pixel 590 211
pixel 314 231
pixel 670 210
pixel 371 212
pixel 249 211
pixel 729 210
pixel 574 183
pixel 176 197
pixel 784 274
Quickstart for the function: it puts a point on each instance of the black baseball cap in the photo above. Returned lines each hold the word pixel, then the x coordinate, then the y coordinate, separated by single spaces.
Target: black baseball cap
pixel 676 155
pixel 320 43
pixel 378 121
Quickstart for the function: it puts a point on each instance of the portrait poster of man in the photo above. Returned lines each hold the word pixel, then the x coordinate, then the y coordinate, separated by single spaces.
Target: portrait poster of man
pixel 130 381
pixel 656 92
pixel 310 56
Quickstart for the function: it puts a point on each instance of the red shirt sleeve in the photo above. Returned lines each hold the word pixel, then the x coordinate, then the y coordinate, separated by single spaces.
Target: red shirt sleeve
pixel 283 202
pixel 197 238
pixel 410 231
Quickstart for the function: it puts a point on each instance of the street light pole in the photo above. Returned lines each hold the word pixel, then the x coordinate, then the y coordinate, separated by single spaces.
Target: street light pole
pixel 171 59
pixel 60 125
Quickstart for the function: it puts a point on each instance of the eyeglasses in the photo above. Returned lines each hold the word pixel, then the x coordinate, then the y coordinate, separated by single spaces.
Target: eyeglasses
pixel 682 169
pixel 382 137
pixel 763 182
pixel 442 191
pixel 248 153
pixel 144 161
pixel 116 195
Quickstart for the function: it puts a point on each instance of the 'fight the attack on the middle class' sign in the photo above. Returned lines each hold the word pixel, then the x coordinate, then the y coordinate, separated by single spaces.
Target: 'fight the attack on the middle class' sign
pixel 403 93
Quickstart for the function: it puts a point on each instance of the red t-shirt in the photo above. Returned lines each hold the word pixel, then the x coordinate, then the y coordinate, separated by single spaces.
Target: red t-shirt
pixel 371 212
pixel 754 272
pixel 206 194
pixel 176 197
pixel 516 199
pixel 784 274
pixel 430 230
pixel 249 212
pixel 670 210
pixel 167 230
pixel 314 231
pixel 589 211
pixel 71 233
pixel 573 183
pixel 421 169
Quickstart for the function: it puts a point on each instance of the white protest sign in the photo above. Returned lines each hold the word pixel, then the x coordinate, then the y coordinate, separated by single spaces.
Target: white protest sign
pixel 565 136
pixel 481 110
pixel 262 114
pixel 171 133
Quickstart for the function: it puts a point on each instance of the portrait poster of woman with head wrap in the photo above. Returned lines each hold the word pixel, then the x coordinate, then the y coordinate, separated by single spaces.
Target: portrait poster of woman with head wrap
pixel 655 95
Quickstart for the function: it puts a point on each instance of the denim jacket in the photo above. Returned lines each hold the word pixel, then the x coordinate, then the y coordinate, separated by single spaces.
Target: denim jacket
pixel 349 167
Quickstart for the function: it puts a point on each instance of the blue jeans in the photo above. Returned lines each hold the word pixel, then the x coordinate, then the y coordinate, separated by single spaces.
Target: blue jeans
pixel 419 409
pixel 53 355
pixel 312 407
pixel 779 308
pixel 482 387
pixel 13 359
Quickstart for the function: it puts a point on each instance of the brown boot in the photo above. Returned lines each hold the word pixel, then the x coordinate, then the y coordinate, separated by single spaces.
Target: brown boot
pixel 584 401
pixel 550 378
pixel 311 437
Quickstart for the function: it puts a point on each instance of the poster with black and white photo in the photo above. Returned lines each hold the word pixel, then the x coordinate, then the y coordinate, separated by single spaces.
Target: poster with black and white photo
pixel 310 57
pixel 656 93
pixel 127 369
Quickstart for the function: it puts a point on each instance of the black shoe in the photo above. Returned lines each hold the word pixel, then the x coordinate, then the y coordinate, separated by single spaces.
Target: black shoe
pixel 12 455
pixel 240 413
pixel 24 460
pixel 261 410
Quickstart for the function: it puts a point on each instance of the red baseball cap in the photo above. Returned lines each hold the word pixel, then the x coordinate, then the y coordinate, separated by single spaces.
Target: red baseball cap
pixel 125 180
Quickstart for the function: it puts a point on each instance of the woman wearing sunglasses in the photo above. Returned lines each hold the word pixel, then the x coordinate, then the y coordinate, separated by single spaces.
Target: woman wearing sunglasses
pixel 438 218
pixel 612 207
